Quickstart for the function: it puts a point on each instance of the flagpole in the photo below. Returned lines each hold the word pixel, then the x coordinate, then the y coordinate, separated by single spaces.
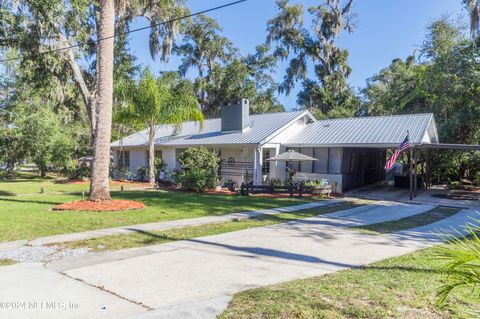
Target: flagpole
pixel 411 173
pixel 415 171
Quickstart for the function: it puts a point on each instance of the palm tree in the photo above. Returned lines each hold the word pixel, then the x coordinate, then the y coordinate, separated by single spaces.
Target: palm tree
pixel 102 112
pixel 473 7
pixel 461 258
pixel 165 100
pixel 99 185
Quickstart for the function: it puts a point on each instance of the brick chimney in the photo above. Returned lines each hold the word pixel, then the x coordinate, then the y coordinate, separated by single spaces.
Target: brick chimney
pixel 235 116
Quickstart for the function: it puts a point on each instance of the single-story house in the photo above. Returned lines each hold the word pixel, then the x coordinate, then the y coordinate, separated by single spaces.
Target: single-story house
pixel 351 152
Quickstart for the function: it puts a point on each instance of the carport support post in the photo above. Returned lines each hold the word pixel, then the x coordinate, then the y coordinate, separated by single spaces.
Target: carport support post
pixel 415 172
pixel 411 173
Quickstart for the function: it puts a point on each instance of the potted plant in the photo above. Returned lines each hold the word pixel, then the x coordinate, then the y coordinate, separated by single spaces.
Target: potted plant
pixel 317 185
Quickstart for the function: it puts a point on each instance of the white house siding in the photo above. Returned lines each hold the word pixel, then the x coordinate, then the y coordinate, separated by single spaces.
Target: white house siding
pixel 169 158
pixel 241 155
pixel 138 158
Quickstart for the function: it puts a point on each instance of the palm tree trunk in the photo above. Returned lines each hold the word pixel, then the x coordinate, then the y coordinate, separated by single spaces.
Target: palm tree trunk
pixel 99 188
pixel 151 155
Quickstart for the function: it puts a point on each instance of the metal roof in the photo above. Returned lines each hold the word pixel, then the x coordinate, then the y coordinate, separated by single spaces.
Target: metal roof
pixel 374 131
pixel 262 126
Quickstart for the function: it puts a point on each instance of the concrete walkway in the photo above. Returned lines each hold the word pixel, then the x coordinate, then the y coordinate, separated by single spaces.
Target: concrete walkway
pixel 196 278
pixel 63 238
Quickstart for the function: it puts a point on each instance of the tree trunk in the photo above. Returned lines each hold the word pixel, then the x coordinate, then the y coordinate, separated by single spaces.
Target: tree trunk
pixel 99 188
pixel 151 155
pixel 43 170
pixel 87 96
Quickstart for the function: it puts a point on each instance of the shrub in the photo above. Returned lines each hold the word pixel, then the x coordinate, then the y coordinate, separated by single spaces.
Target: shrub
pixel 316 182
pixel 227 182
pixel 74 171
pixel 158 166
pixel 275 182
pixel 124 174
pixel 198 157
pixel 197 179
pixel 142 173
pixel 476 179
pixel 199 169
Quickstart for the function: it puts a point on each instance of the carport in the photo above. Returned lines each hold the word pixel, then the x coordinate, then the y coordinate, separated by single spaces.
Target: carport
pixel 351 152
pixel 413 158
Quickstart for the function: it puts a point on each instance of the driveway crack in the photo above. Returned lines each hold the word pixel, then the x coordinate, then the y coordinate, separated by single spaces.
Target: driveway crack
pixel 141 304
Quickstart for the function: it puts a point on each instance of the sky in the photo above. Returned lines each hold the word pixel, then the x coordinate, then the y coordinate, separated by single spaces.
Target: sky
pixel 385 30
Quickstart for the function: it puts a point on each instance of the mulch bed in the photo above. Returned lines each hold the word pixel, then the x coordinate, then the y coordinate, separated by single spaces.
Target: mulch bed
pixel 220 192
pixel 103 206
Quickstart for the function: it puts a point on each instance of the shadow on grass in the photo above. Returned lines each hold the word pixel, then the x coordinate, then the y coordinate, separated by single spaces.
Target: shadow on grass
pixel 22 177
pixel 29 201
pixel 6 193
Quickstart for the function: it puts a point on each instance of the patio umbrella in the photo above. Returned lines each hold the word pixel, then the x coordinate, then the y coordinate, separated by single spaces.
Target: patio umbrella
pixel 291 156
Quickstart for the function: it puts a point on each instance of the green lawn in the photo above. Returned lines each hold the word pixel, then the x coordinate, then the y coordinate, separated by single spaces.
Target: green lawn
pixel 26 183
pixel 30 216
pixel 158 237
pixel 431 216
pixel 401 287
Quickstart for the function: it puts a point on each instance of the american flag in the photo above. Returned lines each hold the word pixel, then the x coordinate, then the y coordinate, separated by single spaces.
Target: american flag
pixel 402 147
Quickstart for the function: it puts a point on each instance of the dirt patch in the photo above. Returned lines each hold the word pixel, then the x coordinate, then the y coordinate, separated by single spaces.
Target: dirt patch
pixel 104 206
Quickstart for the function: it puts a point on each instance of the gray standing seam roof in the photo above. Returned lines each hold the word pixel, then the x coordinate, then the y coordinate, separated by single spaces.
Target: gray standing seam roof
pixel 372 130
pixel 190 133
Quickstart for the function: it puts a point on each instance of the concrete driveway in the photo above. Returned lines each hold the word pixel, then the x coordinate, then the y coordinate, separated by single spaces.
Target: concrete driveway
pixel 196 278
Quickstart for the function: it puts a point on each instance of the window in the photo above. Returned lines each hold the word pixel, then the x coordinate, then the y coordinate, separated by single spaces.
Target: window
pixel 306 166
pixel 334 160
pixel 321 154
pixel 265 163
pixel 123 159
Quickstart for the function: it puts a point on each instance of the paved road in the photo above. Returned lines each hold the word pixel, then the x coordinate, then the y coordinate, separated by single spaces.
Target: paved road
pixel 196 278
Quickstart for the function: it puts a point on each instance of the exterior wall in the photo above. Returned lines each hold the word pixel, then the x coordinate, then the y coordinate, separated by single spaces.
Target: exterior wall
pixel 240 169
pixel 345 168
pixel 138 158
pixel 168 157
